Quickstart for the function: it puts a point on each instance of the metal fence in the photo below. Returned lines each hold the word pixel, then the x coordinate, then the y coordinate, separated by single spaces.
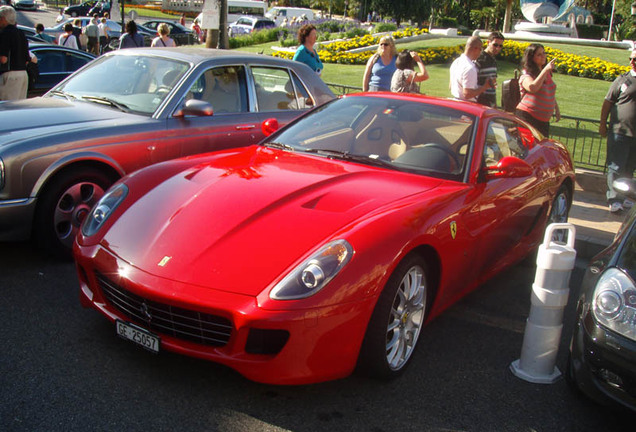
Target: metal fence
pixel 580 135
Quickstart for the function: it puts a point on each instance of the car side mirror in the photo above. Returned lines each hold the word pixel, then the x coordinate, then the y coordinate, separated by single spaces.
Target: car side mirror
pixel 509 167
pixel 269 126
pixel 626 186
pixel 195 107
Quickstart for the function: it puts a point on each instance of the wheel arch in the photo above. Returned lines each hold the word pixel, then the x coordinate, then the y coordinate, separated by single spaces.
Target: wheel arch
pixel 77 161
pixel 431 257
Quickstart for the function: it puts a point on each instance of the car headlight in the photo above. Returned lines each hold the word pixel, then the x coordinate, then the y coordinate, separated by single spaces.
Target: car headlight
pixel 314 273
pixel 103 209
pixel 614 303
pixel 1 174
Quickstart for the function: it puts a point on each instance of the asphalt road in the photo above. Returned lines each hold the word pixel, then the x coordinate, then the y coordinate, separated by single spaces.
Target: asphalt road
pixel 63 368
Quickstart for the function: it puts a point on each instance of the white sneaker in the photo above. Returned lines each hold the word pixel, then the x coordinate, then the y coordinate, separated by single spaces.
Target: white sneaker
pixel 615 207
pixel 627 204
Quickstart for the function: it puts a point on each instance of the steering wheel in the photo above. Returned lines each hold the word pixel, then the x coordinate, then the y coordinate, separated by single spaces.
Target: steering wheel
pixel 163 90
pixel 446 150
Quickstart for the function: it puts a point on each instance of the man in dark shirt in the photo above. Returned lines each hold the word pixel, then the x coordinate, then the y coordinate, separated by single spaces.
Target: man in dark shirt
pixel 620 106
pixel 14 56
pixel 487 67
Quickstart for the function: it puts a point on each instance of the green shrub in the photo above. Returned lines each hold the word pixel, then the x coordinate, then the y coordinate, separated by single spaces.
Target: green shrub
pixel 385 27
pixel 591 31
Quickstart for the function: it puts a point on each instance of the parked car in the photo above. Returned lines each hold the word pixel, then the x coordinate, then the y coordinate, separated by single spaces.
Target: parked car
pixel 128 109
pixel 327 246
pixel 180 34
pixel 247 24
pixel 100 8
pixel 602 361
pixel 79 9
pixel 25 5
pixel 55 63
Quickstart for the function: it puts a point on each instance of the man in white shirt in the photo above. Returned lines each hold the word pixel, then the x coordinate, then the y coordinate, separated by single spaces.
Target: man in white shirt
pixel 463 73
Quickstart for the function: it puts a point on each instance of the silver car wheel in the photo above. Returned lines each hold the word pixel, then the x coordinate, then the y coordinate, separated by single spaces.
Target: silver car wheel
pixel 71 209
pixel 559 213
pixel 406 318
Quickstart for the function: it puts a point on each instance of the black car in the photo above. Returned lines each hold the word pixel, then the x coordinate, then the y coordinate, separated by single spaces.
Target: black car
pixel 179 33
pixel 602 362
pixel 79 9
pixel 99 9
pixel 55 63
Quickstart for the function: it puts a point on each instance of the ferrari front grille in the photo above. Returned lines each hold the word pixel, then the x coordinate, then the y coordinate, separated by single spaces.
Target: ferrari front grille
pixel 189 325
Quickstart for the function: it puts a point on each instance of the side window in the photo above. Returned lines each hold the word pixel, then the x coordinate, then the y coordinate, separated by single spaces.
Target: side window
pixel 275 90
pixel 75 62
pixel 51 61
pixel 503 139
pixel 223 87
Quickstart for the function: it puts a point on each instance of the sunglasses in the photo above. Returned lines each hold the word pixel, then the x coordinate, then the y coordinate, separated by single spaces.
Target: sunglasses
pixel 631 59
pixel 496 45
pixel 384 44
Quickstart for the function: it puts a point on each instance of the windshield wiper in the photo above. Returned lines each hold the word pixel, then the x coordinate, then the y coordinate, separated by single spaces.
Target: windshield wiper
pixel 69 97
pixel 364 159
pixel 107 101
pixel 280 146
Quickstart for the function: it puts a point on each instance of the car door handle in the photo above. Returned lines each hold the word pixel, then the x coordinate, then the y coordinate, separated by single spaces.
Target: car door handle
pixel 245 127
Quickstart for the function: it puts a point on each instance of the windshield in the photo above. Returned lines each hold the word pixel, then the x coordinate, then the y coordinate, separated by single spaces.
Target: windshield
pixel 398 134
pixel 132 83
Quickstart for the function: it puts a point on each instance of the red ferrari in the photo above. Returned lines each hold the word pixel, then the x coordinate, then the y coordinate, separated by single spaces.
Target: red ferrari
pixel 327 247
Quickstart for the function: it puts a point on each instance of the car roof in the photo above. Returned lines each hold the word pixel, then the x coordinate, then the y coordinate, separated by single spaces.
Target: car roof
pixel 50 46
pixel 196 54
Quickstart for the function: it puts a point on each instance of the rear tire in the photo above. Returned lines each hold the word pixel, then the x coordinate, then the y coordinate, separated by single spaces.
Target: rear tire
pixel 560 211
pixel 63 205
pixel 397 321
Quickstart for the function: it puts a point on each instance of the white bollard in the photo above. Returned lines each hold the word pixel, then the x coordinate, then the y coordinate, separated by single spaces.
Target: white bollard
pixel 550 292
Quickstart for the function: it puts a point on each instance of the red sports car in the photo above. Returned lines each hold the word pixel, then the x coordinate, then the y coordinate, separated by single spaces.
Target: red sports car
pixel 328 246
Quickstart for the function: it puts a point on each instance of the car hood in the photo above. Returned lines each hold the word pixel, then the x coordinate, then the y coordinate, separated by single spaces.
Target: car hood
pixel 243 219
pixel 46 116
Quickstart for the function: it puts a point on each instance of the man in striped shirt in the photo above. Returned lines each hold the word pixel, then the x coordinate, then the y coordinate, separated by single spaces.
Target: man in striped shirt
pixel 487 69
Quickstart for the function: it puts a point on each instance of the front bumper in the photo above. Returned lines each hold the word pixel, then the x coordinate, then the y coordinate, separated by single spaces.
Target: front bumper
pixel 603 363
pixel 320 344
pixel 16 219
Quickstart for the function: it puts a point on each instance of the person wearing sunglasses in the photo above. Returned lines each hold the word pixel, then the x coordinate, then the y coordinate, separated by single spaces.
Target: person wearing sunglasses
pixel 620 106
pixel 380 67
pixel 487 69
pixel 538 90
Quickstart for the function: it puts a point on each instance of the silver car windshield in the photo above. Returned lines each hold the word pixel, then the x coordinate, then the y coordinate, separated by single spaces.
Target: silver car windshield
pixel 131 83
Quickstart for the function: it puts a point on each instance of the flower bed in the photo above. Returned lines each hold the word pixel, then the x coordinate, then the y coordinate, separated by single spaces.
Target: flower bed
pixel 569 64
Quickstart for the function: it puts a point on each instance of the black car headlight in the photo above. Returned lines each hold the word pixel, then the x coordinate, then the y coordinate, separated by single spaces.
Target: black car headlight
pixel 614 303
pixel 314 273
pixel 103 209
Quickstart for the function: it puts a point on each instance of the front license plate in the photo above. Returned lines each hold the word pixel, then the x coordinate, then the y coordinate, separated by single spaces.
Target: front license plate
pixel 138 335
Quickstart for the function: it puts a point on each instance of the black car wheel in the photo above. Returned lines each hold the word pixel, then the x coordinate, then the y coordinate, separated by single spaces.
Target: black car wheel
pixel 397 320
pixel 63 205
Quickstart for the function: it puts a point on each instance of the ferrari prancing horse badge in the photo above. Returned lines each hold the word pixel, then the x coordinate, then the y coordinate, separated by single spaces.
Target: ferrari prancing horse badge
pixel 453 229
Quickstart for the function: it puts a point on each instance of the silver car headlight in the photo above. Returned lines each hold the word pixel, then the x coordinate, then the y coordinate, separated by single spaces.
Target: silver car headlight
pixel 1 174
pixel 314 273
pixel 614 303
pixel 103 209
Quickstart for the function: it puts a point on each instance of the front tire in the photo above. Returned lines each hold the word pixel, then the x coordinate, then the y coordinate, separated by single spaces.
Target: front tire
pixel 397 321
pixel 63 205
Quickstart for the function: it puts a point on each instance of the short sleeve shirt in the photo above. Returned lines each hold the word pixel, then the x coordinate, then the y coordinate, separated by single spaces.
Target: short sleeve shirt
pixel 463 74
pixel 487 68
pixel 622 96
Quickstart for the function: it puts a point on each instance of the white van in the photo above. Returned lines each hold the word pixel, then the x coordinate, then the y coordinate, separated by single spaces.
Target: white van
pixel 279 13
